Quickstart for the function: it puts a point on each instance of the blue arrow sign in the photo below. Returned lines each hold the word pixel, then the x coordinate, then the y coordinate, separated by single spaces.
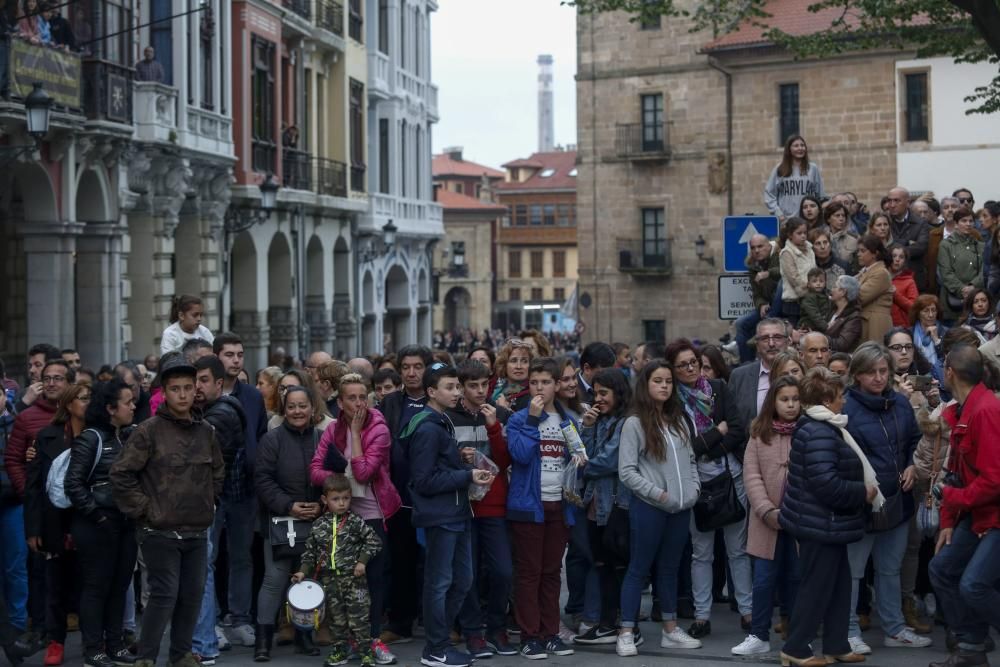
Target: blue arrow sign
pixel 736 234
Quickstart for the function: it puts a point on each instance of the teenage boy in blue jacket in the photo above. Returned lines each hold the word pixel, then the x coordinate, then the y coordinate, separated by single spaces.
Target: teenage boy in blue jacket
pixel 439 487
pixel 539 517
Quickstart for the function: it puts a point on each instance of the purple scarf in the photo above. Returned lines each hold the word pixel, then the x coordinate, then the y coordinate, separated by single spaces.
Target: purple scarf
pixel 699 403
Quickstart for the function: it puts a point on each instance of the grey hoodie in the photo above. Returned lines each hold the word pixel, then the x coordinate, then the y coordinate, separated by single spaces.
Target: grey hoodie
pixel 648 478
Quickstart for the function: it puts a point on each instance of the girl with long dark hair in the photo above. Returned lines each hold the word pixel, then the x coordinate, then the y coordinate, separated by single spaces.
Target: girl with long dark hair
pixel 792 179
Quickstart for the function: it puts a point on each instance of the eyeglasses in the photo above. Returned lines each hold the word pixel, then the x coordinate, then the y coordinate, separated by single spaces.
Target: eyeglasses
pixel 773 338
pixel 966 200
pixel 53 378
pixel 901 347
pixel 515 342
pixel 687 365
pixel 83 398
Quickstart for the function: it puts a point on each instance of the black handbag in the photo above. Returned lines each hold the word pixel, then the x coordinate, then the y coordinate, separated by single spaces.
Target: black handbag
pixel 617 536
pixel 287 536
pixel 718 504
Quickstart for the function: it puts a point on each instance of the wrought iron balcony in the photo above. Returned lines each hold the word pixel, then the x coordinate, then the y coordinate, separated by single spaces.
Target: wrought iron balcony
pixel 644 257
pixel 300 7
pixel 330 177
pixel 296 169
pixel 107 91
pixel 330 16
pixel 265 154
pixel 637 141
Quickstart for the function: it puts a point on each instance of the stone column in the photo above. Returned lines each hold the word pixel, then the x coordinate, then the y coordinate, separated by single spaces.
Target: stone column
pixel 49 271
pixel 98 293
pixel 282 322
pixel 321 329
pixel 251 326
pixel 346 326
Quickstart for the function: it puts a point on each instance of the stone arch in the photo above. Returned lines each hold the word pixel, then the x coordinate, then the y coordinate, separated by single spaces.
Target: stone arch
pixel 38 194
pixel 93 200
pixel 423 287
pixel 244 271
pixel 397 323
pixel 397 288
pixel 281 315
pixel 457 309
pixel 317 302
pixel 368 294
pixel 314 267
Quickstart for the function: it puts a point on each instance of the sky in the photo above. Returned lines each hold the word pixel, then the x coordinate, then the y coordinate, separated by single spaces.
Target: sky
pixel 483 55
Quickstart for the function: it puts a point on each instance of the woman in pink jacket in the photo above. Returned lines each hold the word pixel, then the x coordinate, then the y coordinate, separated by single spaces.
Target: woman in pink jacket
pixel 765 467
pixel 360 442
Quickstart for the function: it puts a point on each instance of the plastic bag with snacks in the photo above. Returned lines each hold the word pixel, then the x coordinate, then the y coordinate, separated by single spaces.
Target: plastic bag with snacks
pixel 573 483
pixel 482 462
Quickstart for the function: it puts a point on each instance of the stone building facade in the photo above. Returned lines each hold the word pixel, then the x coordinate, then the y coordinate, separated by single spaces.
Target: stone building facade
pixel 676 132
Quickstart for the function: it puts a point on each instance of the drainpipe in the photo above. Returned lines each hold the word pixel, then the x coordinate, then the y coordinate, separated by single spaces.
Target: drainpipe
pixel 714 64
pixel 359 342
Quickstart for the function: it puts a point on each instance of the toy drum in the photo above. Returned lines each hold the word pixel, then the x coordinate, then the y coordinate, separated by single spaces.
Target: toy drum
pixel 305 605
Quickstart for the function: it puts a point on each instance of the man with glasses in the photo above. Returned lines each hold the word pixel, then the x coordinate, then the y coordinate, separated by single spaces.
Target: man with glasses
pixel 964 197
pixel 55 376
pixel 37 356
pixel 908 231
pixel 749 383
pixel 315 360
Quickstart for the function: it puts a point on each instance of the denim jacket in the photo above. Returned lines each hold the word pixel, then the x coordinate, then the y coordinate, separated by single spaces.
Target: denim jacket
pixel 601 485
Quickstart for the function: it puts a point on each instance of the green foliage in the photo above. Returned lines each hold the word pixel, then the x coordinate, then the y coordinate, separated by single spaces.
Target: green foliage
pixel 966 30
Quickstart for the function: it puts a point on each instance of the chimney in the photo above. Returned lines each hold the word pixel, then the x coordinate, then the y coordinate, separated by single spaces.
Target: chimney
pixel 546 122
pixel 454 153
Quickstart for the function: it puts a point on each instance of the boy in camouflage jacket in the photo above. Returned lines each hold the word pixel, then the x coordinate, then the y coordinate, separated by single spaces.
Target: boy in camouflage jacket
pixel 337 552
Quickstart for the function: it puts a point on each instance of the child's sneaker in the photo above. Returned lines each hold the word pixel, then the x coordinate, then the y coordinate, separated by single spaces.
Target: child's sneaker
pixel 500 644
pixel 338 656
pixel 556 646
pixel 383 656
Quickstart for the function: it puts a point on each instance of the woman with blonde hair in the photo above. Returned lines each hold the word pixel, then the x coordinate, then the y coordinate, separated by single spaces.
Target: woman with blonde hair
pixel 296 378
pixel 267 385
pixel 513 360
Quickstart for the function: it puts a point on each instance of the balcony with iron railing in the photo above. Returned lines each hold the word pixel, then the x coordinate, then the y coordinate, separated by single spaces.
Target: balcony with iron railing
pixel 638 257
pixel 640 142
pixel 330 177
pixel 296 169
pixel 300 7
pixel 107 91
pixel 264 156
pixel 329 15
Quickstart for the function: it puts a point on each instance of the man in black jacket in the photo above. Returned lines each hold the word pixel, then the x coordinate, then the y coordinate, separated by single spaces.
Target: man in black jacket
pixel 398 409
pixel 227 417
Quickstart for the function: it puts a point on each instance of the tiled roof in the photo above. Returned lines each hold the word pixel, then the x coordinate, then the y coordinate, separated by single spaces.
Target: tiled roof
pixel 454 201
pixel 790 16
pixel 444 165
pixel 561 163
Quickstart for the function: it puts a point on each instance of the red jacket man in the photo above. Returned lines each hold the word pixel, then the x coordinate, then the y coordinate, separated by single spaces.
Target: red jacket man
pixel 26 426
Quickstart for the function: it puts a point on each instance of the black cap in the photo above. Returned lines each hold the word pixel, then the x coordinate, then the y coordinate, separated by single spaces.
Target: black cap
pixel 174 366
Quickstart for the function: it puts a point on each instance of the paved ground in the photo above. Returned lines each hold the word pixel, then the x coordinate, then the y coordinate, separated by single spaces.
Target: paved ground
pixel 726 634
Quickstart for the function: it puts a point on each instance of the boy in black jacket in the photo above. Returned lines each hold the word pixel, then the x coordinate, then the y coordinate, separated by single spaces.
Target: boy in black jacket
pixel 439 487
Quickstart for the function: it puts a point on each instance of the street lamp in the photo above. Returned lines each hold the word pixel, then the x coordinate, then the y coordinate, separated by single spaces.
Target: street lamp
pixel 458 259
pixel 389 234
pixel 38 109
pixel 241 218
pixel 372 252
pixel 699 250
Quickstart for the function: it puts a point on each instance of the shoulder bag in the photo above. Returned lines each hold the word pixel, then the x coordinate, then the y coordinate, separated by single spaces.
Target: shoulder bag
pixel 718 504
pixel 929 511
pixel 286 534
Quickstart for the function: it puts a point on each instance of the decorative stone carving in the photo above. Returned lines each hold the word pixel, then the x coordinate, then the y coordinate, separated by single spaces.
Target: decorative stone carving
pixel 718 173
pixel 171 178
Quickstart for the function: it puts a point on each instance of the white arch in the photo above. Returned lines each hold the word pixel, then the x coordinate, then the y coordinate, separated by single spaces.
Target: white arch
pixel 93 196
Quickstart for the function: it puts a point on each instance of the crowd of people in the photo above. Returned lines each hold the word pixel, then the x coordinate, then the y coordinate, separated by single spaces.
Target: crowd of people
pixel 848 468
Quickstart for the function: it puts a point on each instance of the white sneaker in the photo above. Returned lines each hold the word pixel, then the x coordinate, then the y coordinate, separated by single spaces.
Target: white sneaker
pixel 752 645
pixel 222 639
pixel 907 638
pixel 625 646
pixel 242 635
pixel 677 638
pixel 859 646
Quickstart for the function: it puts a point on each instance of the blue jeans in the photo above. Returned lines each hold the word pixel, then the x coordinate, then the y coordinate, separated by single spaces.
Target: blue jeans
pixel 581 575
pixel 655 538
pixel 783 573
pixel 746 328
pixel 204 642
pixel 14 551
pixel 887 549
pixel 447 579
pixel 965 575
pixel 239 519
pixel 491 551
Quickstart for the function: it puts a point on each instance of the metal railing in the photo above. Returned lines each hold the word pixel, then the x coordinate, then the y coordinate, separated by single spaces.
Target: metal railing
pixel 296 169
pixel 264 156
pixel 638 256
pixel 300 7
pixel 330 177
pixel 107 91
pixel 636 140
pixel 330 16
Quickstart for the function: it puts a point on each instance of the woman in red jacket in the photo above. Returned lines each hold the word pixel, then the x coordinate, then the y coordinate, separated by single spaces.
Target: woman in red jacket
pixel 359 444
pixel 905 290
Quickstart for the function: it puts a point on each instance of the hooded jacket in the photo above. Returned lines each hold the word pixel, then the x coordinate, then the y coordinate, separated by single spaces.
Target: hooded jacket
pixel 903 298
pixel 975 457
pixel 169 474
pixel 439 480
pixel 27 424
pixel 886 429
pixel 227 417
pixel 524 499
pixel 471 431
pixel 648 478
pixel 825 493
pixel 372 466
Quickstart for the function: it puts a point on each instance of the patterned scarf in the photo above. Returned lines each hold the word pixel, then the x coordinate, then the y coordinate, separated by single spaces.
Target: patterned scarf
pixel 699 403
pixel 783 428
pixel 507 388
